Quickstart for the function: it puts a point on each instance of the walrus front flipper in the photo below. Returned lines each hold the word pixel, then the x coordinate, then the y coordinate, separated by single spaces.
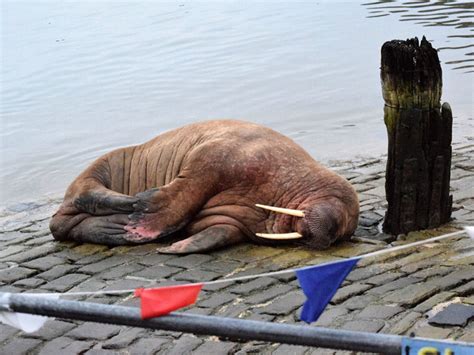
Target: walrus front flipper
pixel 107 230
pixel 214 237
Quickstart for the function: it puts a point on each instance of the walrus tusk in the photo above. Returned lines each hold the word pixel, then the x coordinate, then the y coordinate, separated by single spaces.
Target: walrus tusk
pixel 280 236
pixel 296 213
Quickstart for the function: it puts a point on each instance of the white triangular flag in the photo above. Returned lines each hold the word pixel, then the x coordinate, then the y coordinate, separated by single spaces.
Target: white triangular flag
pixel 29 323
pixel 470 231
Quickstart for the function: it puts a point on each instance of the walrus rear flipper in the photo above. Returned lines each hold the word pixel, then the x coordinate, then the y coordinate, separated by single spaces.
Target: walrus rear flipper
pixel 214 237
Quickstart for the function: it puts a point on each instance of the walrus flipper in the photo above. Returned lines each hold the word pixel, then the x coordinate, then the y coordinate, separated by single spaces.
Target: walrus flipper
pixel 213 237
pixel 107 230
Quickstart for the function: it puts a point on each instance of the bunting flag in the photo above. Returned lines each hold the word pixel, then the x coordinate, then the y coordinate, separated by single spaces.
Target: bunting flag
pixel 156 302
pixel 29 323
pixel 319 284
pixel 470 231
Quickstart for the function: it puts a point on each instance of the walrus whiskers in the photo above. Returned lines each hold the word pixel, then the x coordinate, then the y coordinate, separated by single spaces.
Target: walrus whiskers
pixel 280 236
pixel 296 213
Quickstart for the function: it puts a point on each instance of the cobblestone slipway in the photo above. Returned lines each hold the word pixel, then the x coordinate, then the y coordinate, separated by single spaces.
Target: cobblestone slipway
pixel 397 293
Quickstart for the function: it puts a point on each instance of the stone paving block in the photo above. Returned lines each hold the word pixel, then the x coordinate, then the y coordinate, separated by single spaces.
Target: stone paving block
pixel 14 238
pixel 184 345
pixel 285 304
pixel 427 331
pixel 20 346
pixel 362 273
pixel 189 261
pixel 249 253
pixel 125 285
pixel 87 249
pixel 379 312
pixel 124 338
pixel 65 282
pixel 216 300
pixel 77 347
pixel 268 294
pixel 56 272
pixel 102 265
pixel 200 311
pixel 89 330
pixel 55 346
pixel 7 332
pixel 287 260
pixel 419 265
pixel 468 337
pixel 347 250
pixel 469 300
pixel 15 273
pixel 433 301
pixel 119 271
pixel 370 326
pixel 52 329
pixel 139 250
pixel 157 272
pixel 411 294
pixel 216 287
pixel 259 316
pixel 348 291
pixel 44 263
pixel 405 323
pixel 453 279
pixel 430 272
pixel 30 254
pixel 90 259
pixel 29 283
pixel 358 302
pixel 253 347
pixel 11 250
pixel 222 267
pixel 196 275
pixel 394 285
pixel 90 284
pixel 330 315
pixel 149 345
pixel 465 289
pixel 383 278
pixel 41 237
pixel 453 315
pixel 286 349
pixel 215 347
pixel 253 285
pixel 154 259
pixel 106 352
pixel 232 310
pixel 287 277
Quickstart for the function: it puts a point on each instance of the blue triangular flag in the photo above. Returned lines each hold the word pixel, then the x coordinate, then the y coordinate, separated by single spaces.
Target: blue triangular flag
pixel 319 284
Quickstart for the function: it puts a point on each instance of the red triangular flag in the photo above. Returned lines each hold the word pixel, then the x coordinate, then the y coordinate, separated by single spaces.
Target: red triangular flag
pixel 156 302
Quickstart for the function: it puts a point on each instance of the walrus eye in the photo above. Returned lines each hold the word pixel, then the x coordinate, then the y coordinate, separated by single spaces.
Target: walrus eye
pixel 296 213
pixel 281 236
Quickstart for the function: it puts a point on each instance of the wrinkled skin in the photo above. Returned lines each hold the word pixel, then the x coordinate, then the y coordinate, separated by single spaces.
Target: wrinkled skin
pixel 200 183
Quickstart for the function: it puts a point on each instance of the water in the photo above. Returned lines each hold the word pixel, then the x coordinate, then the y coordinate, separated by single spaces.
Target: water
pixel 79 79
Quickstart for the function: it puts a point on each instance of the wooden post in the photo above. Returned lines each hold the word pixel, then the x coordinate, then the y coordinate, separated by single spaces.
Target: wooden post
pixel 419 137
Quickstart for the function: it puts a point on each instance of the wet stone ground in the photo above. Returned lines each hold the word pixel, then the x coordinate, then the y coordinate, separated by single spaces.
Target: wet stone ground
pixel 428 290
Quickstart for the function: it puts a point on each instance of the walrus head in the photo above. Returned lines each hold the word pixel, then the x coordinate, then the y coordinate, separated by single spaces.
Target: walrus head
pixel 316 226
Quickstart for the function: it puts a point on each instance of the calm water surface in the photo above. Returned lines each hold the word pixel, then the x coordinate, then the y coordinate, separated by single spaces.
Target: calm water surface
pixel 79 79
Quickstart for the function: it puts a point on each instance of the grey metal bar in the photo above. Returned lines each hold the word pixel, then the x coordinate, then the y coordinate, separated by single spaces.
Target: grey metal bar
pixel 231 328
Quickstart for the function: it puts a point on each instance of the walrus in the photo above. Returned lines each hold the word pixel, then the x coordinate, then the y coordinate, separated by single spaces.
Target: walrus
pixel 210 185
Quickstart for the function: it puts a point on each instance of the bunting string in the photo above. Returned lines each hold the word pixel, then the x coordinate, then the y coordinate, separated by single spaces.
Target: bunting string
pixel 267 274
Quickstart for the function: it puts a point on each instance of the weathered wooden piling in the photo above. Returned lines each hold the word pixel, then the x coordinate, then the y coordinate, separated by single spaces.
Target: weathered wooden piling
pixel 419 137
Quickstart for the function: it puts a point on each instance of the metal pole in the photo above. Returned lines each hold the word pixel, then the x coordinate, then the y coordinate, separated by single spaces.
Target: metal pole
pixel 231 328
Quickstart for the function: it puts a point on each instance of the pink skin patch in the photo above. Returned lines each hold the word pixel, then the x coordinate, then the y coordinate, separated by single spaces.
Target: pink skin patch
pixel 138 233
